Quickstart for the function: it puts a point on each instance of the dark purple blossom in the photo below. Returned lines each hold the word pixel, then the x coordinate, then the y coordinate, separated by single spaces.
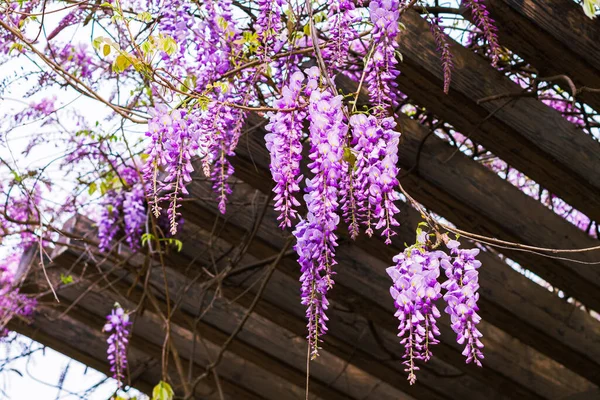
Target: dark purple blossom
pixel 316 235
pixel 118 326
pixel 481 17
pixel 462 296
pixel 443 45
pixel 13 304
pixel 415 289
pixel 283 143
pixel 381 65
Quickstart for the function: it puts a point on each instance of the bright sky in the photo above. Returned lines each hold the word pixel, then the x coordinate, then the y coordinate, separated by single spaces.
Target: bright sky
pixel 41 373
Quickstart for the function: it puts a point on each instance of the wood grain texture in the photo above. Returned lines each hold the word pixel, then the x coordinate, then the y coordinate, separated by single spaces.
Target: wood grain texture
pixel 526 133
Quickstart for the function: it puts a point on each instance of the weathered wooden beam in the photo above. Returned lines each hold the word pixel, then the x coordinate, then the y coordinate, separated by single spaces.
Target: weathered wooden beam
pixel 475 198
pixel 375 311
pixel 566 23
pixel 253 368
pixel 338 367
pixel 524 132
pixel 462 214
pixel 79 336
pixel 535 31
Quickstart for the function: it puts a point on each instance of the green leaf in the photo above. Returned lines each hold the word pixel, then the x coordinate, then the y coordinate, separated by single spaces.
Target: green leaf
pixel 66 279
pixel 92 188
pixel 162 391
pixel 15 46
pixel 97 42
pixel 349 156
pixel 106 50
pixel 306 29
pixel 147 237
pixel 145 16
pixel 121 63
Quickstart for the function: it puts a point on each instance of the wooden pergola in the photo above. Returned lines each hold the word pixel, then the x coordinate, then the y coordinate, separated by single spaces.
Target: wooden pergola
pixel 249 332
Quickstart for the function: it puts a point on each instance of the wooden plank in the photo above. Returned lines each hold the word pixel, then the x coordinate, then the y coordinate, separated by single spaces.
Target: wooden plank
pixel 567 23
pixel 550 55
pixel 526 133
pixel 78 335
pixel 251 367
pixel 372 379
pixel 493 206
pixel 373 310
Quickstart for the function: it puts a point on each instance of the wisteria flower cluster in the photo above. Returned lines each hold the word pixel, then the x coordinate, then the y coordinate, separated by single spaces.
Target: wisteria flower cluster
pixel 415 290
pixel 123 211
pixel 12 302
pixel 118 326
pixel 316 235
pixel 196 70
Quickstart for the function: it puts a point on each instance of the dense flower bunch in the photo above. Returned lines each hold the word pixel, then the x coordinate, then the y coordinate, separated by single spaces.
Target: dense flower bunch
pixel 381 66
pixel 316 235
pixel 118 326
pixel 268 26
pixel 283 143
pixel 122 212
pixel 462 296
pixel 221 148
pixel 375 146
pixel 342 17
pixel 415 290
pixel 195 71
pixel 171 150
pixel 12 302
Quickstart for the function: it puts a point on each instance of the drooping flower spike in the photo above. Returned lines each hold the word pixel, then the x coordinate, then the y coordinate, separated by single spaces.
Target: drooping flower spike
pixel 118 326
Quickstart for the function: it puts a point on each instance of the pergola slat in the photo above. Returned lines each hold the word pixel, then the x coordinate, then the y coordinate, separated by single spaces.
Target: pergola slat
pixel 526 133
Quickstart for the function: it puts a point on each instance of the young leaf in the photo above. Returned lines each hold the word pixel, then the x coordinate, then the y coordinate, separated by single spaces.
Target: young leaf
pixel 162 391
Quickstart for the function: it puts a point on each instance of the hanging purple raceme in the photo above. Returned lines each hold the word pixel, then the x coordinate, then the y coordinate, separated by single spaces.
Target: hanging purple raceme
pixel 108 225
pixel 316 235
pixel 221 130
pixel 482 19
pixel 381 65
pixel 181 145
pixel 443 45
pixel 461 297
pixel 341 19
pixel 158 130
pixel 174 143
pixel 134 215
pixel 283 143
pixel 375 145
pixel 268 26
pixel 415 289
pixel 118 327
pixel 12 302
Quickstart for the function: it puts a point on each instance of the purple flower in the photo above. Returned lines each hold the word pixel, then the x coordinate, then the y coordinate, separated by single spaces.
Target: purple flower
pixel 341 16
pixel 481 17
pixel 441 40
pixel 381 66
pixel 108 226
pixel 283 143
pixel 316 235
pixel 268 26
pixel 12 302
pixel 134 215
pixel 461 297
pixel 415 289
pixel 375 145
pixel 118 326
